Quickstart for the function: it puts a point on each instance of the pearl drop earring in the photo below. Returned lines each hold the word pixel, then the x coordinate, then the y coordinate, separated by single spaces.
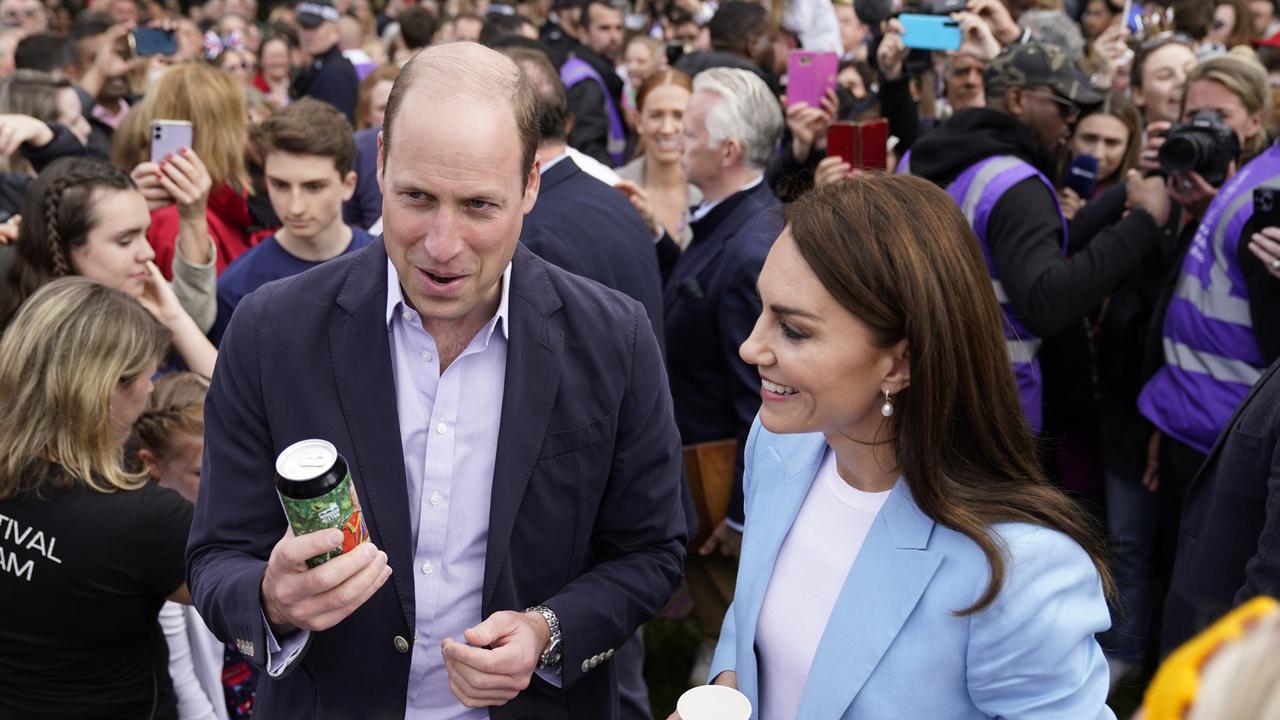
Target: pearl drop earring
pixel 887 408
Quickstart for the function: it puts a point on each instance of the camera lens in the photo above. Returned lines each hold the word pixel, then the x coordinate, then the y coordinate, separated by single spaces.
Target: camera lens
pixel 1183 153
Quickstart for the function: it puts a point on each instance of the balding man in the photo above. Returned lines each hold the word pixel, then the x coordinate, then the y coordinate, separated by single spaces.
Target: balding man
pixel 508 429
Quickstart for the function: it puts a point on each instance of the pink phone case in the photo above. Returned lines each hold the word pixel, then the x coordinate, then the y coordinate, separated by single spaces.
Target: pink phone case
pixel 810 75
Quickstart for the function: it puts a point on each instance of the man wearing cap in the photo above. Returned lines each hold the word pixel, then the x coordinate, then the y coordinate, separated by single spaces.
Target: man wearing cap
pixel 996 162
pixel 330 76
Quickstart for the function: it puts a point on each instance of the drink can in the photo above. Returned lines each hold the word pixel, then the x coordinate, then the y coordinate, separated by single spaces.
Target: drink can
pixel 315 487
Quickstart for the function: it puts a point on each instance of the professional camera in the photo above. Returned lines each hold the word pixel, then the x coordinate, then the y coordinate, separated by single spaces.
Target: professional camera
pixel 1205 145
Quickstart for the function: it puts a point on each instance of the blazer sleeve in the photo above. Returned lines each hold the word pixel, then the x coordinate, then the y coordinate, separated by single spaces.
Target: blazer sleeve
pixel 238 518
pixel 1032 653
pixel 640 532
pixel 1262 572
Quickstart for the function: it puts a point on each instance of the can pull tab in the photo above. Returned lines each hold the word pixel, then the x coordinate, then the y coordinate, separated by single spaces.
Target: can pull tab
pixel 313 461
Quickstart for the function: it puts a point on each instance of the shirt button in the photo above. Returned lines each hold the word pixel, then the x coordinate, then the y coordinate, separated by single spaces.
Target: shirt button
pixel 441 427
pixel 426 568
pixel 426 356
pixel 435 498
pixel 406 315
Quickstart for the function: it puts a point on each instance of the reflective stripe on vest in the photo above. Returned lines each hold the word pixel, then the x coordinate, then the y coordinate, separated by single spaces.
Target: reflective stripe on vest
pixel 574 71
pixel 977 191
pixel 1211 354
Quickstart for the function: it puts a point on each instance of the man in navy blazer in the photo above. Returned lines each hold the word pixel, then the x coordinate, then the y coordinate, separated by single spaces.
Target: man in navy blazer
pixel 580 223
pixel 580 537
pixel 1229 539
pixel 710 299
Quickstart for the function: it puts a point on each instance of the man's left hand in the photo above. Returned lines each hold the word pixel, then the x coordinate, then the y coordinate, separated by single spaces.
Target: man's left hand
pixel 498 659
pixel 724 539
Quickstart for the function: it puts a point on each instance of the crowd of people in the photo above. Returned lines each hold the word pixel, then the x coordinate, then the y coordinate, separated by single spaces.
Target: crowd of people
pixel 607 322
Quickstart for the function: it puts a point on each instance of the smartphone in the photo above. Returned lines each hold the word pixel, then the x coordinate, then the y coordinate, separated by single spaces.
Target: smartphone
pixel 150 41
pixel 1266 207
pixel 946 7
pixel 864 145
pixel 1082 176
pixel 810 75
pixel 168 137
pixel 930 32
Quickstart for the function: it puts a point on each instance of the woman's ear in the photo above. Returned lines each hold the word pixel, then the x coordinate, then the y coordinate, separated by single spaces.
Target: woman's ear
pixel 899 377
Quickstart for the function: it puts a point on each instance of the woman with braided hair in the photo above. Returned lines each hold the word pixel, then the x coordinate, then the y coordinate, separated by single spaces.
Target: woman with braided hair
pixel 85 217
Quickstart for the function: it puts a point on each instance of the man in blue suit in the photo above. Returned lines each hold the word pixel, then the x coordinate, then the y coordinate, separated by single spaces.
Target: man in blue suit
pixel 508 430
pixel 710 301
pixel 580 223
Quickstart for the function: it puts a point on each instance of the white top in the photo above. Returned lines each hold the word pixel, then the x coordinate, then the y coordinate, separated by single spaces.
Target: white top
pixel 807 578
pixel 195 663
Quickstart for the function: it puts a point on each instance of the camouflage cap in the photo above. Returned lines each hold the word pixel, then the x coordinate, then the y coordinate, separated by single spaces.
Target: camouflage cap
pixel 1035 64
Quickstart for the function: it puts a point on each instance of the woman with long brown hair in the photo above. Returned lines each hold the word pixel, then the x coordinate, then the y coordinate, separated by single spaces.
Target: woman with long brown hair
pixel 904 555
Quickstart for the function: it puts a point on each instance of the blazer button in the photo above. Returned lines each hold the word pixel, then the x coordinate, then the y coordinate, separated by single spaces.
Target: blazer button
pixel 586 665
pixel 401 644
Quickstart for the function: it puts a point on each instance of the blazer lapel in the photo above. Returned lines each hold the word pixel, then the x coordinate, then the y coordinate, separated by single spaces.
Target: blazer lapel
pixel 781 490
pixel 891 572
pixel 534 346
pixel 361 356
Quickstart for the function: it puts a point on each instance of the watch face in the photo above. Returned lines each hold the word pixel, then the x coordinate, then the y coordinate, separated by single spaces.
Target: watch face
pixel 552 656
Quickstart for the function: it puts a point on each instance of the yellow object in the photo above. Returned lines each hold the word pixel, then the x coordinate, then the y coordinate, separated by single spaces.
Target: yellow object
pixel 1173 689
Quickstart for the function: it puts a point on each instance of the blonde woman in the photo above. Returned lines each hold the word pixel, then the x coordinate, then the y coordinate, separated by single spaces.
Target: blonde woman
pixel 90 550
pixel 214 103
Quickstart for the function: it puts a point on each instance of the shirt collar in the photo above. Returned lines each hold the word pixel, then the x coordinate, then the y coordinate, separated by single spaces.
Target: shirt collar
pixel 553 162
pixel 395 301
pixel 705 208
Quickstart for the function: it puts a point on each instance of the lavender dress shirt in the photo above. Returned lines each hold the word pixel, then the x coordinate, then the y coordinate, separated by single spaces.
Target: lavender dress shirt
pixel 450 442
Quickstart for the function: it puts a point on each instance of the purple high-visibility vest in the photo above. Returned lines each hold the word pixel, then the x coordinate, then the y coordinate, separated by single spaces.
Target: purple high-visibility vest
pixel 976 191
pixel 574 71
pixel 1210 352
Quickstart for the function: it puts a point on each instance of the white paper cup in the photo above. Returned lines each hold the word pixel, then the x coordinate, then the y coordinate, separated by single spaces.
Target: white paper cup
pixel 713 702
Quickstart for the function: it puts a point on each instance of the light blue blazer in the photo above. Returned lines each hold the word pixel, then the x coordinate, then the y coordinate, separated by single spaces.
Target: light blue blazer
pixel 893 647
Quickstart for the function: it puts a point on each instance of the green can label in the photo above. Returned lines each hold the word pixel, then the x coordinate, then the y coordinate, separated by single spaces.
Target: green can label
pixel 338 508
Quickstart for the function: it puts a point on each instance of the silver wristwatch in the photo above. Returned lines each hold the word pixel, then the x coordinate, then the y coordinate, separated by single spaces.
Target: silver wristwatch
pixel 551 655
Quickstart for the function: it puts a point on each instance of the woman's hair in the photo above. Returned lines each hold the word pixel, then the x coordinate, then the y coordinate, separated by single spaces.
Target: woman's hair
pixel 70 348
pixel 364 99
pixel 1242 679
pixel 665 76
pixel 176 409
pixel 58 214
pixel 1242 34
pixel 1239 72
pixel 1119 106
pixel 34 93
pixel 895 251
pixel 655 46
pixel 207 97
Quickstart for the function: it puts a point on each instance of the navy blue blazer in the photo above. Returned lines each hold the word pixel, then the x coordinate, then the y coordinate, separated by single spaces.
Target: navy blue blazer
pixel 585 516
pixel 1229 538
pixel 592 230
pixel 365 206
pixel 710 306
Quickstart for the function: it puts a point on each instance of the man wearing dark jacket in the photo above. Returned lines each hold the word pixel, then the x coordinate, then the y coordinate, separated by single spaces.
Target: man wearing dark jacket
pixel 735 31
pixel 996 162
pixel 595 90
pixel 330 77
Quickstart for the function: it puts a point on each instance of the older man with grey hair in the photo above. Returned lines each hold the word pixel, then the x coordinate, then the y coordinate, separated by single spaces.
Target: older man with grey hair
pixel 710 303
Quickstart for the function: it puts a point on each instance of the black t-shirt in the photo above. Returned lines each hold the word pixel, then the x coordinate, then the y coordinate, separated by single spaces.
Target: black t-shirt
pixel 82 577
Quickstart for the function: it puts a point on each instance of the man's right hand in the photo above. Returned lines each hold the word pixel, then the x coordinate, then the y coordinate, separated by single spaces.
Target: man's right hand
pixel 296 597
pixel 1148 193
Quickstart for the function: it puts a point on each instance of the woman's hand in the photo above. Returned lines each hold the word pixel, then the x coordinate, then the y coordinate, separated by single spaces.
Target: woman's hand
pixel 9 230
pixel 146 176
pixel 158 297
pixel 892 52
pixel 728 678
pixel 1265 246
pixel 978 40
pixel 809 125
pixel 18 130
pixel 1002 25
pixel 1071 203
pixel 639 198
pixel 831 169
pixel 725 539
pixel 1149 156
pixel 185 178
pixel 1193 192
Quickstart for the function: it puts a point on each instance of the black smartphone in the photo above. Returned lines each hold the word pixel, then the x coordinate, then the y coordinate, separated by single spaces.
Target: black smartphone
pixel 1266 206
pixel 150 41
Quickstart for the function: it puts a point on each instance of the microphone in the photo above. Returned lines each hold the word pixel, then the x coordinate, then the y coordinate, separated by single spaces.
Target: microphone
pixel 873 12
pixel 1082 175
